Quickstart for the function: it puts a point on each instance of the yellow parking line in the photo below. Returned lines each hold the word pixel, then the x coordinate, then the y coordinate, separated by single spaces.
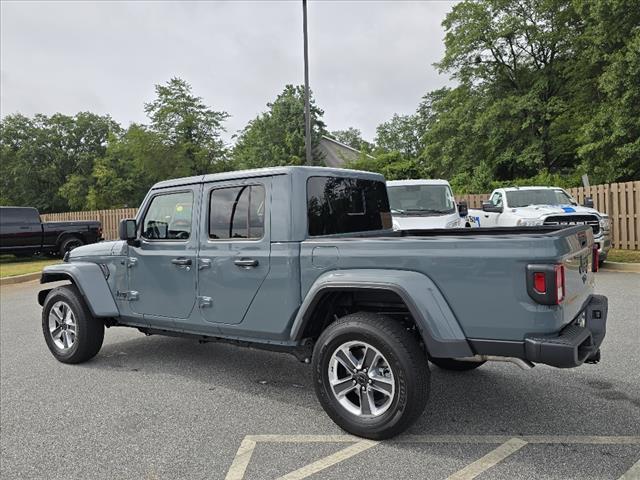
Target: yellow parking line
pixel 633 473
pixel 326 462
pixel 489 460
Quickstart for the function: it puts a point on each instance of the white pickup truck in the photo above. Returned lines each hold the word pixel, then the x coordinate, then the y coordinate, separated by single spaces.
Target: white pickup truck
pixel 531 206
pixel 425 204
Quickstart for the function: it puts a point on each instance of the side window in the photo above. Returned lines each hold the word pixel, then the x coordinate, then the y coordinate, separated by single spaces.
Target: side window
pixel 169 217
pixel 237 213
pixel 346 205
pixel 496 199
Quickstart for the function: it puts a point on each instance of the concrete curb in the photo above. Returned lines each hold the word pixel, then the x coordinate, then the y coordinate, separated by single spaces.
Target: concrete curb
pixel 20 278
pixel 621 267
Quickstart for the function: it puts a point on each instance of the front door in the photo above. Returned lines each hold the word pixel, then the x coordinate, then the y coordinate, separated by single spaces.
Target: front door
pixel 162 269
pixel 492 219
pixel 234 248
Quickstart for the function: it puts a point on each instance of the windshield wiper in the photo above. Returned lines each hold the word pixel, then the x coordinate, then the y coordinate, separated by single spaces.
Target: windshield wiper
pixel 427 210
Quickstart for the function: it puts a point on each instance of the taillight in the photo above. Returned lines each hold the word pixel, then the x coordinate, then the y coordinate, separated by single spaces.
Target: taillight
pixel 546 283
pixel 540 282
pixel 595 259
pixel 559 270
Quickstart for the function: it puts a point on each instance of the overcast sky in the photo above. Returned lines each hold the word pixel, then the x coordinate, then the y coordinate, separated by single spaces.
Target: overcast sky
pixel 367 59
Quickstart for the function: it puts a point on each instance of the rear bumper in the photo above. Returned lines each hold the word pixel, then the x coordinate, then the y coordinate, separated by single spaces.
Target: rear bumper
pixel 576 343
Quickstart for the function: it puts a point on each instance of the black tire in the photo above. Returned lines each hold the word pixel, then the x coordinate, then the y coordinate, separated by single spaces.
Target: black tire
pixel 69 243
pixel 89 331
pixel 455 365
pixel 406 360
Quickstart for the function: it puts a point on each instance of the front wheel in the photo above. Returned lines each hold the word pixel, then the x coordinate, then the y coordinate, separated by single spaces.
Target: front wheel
pixel 370 375
pixel 72 334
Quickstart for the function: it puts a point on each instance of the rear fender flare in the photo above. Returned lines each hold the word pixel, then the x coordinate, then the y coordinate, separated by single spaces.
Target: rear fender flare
pixel 89 279
pixel 434 318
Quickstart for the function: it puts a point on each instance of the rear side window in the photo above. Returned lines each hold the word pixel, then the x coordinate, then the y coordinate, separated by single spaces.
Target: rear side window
pixel 169 217
pixel 19 215
pixel 346 205
pixel 237 213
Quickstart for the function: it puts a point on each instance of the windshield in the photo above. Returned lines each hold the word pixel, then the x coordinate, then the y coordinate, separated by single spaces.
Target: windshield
pixel 421 199
pixel 522 198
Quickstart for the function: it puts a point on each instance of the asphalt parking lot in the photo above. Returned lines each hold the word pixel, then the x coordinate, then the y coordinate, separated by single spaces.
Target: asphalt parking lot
pixel 167 408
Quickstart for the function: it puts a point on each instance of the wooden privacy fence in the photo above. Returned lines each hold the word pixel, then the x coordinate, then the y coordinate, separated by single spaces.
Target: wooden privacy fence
pixel 110 219
pixel 621 201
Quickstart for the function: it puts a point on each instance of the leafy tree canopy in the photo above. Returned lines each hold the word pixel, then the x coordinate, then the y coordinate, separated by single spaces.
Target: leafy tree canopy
pixel 276 137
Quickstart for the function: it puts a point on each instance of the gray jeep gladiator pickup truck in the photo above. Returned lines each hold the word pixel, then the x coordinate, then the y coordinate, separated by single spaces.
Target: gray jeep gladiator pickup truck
pixel 304 260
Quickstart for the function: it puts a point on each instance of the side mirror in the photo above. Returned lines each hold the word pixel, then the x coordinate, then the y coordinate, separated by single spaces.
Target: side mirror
pixel 490 207
pixel 128 229
pixel 463 209
pixel 588 202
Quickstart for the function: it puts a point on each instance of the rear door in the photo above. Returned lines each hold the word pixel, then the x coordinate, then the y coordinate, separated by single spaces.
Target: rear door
pixel 235 248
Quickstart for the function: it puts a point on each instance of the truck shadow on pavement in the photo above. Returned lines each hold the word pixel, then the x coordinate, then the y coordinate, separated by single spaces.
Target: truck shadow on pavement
pixel 494 399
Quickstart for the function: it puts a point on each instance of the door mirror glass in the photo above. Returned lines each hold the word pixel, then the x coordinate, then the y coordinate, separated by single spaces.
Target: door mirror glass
pixel 128 230
pixel 463 209
pixel 588 202
pixel 490 207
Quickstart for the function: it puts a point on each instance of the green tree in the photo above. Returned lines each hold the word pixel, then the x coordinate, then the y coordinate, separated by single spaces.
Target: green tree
pixel 276 137
pixel 187 127
pixel 352 137
pixel 182 139
pixel 609 57
pixel 47 160
pixel 401 134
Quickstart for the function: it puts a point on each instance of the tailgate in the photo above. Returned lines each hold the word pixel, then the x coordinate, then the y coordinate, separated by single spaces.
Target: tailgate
pixel 578 270
pixel 567 281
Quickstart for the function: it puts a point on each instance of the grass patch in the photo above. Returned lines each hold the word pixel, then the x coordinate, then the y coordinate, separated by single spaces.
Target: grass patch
pixel 11 266
pixel 626 256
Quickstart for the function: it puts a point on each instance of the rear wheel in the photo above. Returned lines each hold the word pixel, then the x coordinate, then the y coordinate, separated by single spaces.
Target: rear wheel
pixel 72 334
pixel 69 244
pixel 456 365
pixel 370 375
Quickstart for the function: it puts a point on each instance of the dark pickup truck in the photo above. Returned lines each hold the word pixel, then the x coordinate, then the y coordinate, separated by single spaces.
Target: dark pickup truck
pixel 22 233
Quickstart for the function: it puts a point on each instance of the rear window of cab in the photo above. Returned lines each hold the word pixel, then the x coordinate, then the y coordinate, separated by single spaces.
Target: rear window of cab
pixel 346 205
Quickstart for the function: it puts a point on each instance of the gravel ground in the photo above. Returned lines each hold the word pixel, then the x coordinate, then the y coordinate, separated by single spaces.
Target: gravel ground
pixel 160 407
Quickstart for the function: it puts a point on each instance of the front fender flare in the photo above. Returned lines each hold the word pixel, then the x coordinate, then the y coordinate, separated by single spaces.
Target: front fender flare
pixel 438 325
pixel 89 279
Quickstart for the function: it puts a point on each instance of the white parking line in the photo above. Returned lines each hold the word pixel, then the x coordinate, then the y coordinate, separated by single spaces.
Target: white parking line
pixel 326 462
pixel 633 473
pixel 492 458
pixel 241 460
pixel 508 445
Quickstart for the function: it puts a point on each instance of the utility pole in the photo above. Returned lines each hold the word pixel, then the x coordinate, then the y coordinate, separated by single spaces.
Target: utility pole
pixel 307 107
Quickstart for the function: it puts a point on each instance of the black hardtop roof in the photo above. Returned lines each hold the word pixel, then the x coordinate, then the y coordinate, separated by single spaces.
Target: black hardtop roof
pixel 263 172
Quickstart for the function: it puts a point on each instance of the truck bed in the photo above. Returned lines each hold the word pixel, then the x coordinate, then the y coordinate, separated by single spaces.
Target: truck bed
pixel 482 273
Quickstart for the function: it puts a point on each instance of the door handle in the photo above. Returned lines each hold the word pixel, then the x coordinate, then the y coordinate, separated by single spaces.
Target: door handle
pixel 246 262
pixel 181 262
